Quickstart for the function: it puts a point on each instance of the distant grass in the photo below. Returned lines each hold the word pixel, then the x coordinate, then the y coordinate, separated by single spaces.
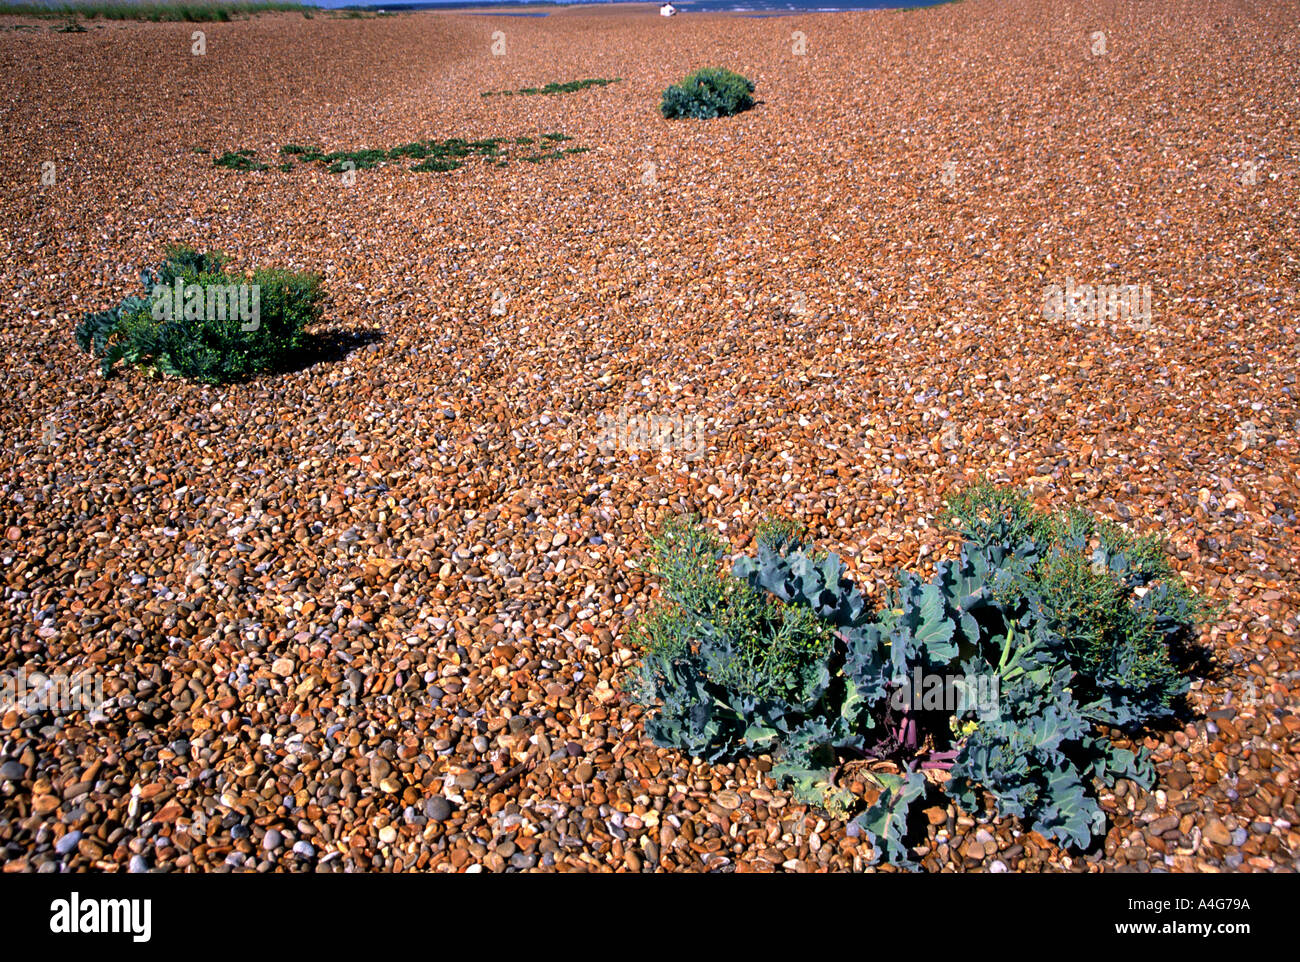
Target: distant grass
pixel 434 156
pixel 567 87
pixel 189 11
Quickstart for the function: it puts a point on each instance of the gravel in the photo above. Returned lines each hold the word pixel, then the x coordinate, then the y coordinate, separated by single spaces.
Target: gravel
pixel 401 579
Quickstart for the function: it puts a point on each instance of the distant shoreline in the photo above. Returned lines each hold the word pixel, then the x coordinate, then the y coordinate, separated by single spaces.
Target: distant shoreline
pixel 225 10
pixel 757 7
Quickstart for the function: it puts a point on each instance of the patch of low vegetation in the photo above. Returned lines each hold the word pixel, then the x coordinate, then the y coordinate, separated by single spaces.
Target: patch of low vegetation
pixel 239 160
pixel 567 87
pixel 436 156
pixel 73 25
pixel 198 11
pixel 299 152
pixel 1016 673
pixel 707 93
pixel 197 321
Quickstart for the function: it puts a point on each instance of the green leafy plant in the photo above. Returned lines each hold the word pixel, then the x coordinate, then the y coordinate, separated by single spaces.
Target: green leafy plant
pixel 1121 611
pixel 193 320
pixel 1073 625
pixel 710 92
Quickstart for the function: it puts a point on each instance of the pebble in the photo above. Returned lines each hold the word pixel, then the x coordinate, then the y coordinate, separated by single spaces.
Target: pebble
pixel 1217 832
pixel 67 843
pixel 437 808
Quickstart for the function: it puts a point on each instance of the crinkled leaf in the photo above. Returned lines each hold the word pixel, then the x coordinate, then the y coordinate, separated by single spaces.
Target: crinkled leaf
pixel 885 822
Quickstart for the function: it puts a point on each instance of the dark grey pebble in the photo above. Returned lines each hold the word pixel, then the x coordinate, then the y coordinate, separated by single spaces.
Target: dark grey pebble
pixel 438 808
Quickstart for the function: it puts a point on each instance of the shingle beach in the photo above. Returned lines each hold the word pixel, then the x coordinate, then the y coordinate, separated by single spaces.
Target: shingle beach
pixel 373 614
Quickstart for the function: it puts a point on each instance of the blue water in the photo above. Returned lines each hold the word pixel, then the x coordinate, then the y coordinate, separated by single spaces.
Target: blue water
pixel 778 7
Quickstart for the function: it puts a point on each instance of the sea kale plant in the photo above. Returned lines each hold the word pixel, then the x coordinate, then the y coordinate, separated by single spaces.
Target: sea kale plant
pixel 194 320
pixel 707 93
pixel 1003 675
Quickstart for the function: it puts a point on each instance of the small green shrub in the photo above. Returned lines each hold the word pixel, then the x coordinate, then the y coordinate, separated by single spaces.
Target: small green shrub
pixel 710 92
pixel 1122 612
pixel 747 642
pixel 1071 624
pixel 196 321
